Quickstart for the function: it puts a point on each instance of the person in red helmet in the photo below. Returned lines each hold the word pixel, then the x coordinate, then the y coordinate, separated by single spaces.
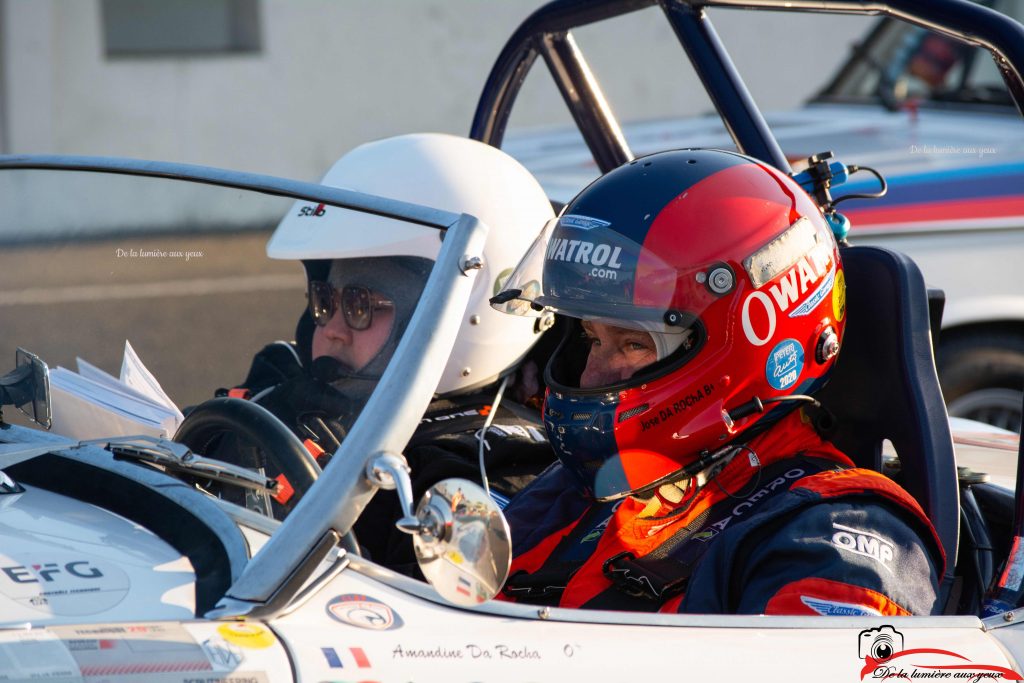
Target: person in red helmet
pixel 708 301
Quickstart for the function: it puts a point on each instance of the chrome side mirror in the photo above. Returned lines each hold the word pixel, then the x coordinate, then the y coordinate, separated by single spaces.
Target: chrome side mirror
pixel 463 545
pixel 462 541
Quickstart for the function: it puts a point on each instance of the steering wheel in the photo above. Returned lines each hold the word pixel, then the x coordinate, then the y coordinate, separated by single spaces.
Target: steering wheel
pixel 256 425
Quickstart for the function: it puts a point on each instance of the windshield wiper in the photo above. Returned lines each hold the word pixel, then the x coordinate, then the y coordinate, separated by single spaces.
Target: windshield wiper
pixel 179 458
pixel 168 454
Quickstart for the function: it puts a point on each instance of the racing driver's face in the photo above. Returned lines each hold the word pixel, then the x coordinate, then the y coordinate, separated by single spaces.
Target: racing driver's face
pixel 616 353
pixel 353 348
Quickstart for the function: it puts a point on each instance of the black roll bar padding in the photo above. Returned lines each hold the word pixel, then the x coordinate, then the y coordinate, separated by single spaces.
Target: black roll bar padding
pixel 517 56
pixel 722 81
pixel 587 104
pixel 960 19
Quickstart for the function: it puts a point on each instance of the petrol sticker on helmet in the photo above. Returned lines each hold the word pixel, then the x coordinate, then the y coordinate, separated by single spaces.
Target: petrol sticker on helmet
pixel 582 222
pixel 785 362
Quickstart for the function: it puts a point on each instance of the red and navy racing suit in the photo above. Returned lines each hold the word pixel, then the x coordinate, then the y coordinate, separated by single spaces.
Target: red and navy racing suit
pixel 788 526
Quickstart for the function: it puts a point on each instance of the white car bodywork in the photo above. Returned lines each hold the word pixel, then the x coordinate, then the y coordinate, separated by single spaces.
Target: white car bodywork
pixel 134 623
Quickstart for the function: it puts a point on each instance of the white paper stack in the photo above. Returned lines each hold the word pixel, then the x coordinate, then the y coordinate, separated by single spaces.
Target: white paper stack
pixel 93 404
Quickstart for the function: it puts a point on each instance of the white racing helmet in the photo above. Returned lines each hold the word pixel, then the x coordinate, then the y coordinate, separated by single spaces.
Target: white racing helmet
pixel 443 172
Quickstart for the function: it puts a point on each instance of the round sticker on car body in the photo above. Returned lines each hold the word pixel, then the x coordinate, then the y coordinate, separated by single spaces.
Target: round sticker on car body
pixel 243 634
pixel 785 363
pixel 363 611
pixel 63 583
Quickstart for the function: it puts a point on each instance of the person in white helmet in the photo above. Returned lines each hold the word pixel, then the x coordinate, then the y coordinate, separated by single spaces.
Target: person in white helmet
pixel 365 274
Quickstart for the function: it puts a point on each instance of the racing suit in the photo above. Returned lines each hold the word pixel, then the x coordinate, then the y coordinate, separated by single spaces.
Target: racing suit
pixel 446 444
pixel 786 526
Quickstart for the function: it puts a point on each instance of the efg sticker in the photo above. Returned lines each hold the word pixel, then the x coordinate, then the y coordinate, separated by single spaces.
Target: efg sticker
pixel 785 363
pixel 839 296
pixel 62 583
pixel 364 612
pixel 248 635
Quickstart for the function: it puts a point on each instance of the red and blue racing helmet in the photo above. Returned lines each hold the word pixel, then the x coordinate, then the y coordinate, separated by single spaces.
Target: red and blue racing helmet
pixel 725 256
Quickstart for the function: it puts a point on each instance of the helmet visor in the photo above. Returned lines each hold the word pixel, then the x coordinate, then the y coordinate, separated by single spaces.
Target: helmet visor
pixel 579 267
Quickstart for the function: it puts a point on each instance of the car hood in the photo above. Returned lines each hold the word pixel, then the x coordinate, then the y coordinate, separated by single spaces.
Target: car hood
pixel 66 561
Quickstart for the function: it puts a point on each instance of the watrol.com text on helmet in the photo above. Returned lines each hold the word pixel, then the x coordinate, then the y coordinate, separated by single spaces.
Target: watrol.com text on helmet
pixel 603 257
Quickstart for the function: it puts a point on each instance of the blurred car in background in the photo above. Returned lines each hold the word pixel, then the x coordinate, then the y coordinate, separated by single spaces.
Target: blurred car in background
pixel 935 118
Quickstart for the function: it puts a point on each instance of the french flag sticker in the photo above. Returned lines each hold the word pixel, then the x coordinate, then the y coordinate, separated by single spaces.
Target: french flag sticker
pixel 334 660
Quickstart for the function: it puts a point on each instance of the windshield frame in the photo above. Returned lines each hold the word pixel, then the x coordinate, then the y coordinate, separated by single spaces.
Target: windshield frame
pixel 274 575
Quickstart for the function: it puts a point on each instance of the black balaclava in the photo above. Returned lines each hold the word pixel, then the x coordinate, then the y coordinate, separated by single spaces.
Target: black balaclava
pixel 400 278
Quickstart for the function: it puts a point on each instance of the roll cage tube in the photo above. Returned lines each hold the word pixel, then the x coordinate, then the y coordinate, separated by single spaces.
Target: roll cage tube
pixel 546 32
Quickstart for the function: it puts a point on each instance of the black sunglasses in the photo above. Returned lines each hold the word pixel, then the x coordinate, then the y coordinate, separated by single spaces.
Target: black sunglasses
pixel 357 304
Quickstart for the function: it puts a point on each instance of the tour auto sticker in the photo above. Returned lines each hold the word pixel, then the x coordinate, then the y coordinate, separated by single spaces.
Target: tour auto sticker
pixel 363 611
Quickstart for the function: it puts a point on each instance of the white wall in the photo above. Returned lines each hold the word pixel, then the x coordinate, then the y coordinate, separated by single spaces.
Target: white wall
pixel 336 73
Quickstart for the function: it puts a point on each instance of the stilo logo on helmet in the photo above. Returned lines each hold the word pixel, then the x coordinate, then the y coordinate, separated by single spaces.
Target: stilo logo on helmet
pixel 725 257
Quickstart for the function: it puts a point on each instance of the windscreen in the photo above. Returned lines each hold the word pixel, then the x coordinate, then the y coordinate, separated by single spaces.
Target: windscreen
pixel 147 297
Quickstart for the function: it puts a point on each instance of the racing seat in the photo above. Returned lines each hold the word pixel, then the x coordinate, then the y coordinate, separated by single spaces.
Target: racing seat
pixel 884 386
